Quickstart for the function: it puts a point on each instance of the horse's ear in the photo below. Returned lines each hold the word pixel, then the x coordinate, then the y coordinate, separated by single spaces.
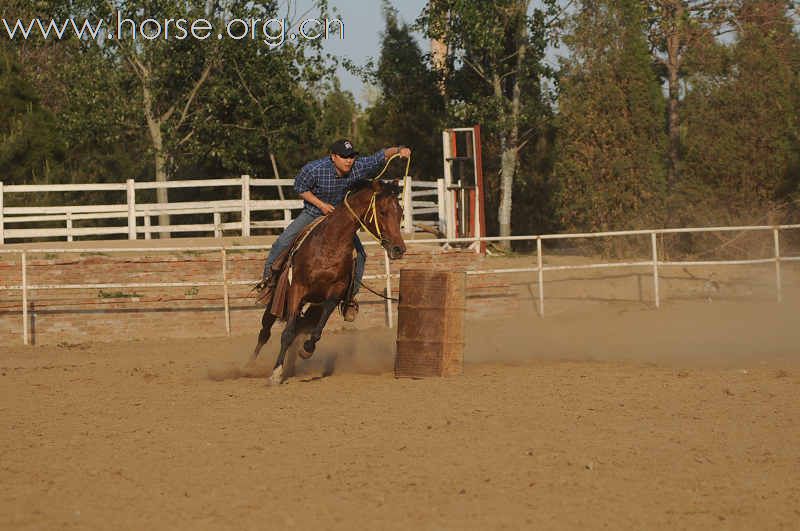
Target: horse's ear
pixel 376 185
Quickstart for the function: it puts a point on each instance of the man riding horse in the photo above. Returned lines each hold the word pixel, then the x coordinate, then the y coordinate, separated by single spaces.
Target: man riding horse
pixel 323 184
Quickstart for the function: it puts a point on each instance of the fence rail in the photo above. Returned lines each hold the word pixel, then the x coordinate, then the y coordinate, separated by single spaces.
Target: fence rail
pixel 539 269
pixel 139 215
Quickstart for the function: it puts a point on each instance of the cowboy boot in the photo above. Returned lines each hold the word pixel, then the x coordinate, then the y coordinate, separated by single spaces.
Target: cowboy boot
pixel 264 289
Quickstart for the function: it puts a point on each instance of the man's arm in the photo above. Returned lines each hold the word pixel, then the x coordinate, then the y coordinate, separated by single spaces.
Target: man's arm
pixel 317 202
pixel 370 164
pixel 303 184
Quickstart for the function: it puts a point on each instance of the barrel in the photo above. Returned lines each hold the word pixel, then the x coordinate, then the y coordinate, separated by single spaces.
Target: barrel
pixel 430 323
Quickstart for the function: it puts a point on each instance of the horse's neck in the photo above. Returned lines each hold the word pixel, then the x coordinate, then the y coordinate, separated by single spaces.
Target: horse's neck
pixel 343 225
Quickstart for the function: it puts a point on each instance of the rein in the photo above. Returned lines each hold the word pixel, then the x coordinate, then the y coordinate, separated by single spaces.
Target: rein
pixel 371 208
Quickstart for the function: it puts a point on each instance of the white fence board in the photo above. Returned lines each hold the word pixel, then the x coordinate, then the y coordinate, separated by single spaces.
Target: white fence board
pixel 139 214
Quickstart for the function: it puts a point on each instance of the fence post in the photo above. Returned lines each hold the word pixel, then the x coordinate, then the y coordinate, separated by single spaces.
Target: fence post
pixel 24 298
pixel 778 283
pixel 408 206
pixel 217 224
pixel 245 205
pixel 225 292
pixel 442 208
pixel 540 274
pixel 147 225
pixel 389 315
pixel 654 244
pixel 131 209
pixel 2 224
pixel 69 226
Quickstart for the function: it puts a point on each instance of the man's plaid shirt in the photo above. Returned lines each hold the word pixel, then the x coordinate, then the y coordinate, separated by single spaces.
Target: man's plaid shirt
pixel 320 178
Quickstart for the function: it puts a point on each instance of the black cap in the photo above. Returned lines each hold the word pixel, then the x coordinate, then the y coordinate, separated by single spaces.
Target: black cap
pixel 343 148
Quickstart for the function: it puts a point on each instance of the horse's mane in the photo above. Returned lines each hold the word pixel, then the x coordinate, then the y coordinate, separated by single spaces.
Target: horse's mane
pixel 387 187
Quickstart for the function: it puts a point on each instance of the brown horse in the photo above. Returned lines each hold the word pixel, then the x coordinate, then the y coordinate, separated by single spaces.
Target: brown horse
pixel 323 265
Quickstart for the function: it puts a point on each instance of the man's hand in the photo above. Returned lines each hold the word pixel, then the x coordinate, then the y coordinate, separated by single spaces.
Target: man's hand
pixel 398 150
pixel 317 202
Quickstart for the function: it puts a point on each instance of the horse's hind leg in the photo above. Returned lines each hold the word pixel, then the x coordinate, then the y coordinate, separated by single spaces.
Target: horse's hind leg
pixel 327 309
pixel 287 336
pixel 267 321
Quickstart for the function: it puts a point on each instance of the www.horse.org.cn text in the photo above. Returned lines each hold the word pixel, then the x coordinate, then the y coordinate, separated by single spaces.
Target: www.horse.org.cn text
pixel 273 32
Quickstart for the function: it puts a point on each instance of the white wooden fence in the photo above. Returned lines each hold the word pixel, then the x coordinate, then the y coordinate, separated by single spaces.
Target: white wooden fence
pixel 654 262
pixel 15 221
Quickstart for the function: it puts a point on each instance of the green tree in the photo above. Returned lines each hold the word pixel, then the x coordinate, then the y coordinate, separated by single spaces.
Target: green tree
pixel 610 166
pixel 408 110
pixel 28 148
pixel 743 123
pixel 495 75
pixel 339 115
pixel 680 31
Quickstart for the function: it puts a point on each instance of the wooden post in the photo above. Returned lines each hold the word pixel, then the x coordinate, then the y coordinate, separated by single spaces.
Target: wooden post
pixel 540 274
pixel 440 202
pixel 778 283
pixel 2 224
pixel 147 225
pixel 408 206
pixel 131 209
pixel 225 292
pixel 245 206
pixel 480 217
pixel 217 224
pixel 389 316
pixel 654 244
pixel 24 298
pixel 69 226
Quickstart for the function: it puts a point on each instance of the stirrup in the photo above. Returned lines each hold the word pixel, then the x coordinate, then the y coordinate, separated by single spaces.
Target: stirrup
pixel 350 311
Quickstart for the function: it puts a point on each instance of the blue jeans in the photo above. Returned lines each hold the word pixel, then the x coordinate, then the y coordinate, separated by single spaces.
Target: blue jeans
pixel 290 233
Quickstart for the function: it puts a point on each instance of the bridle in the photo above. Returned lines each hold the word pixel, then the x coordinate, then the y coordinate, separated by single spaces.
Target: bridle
pixel 372 209
pixel 372 212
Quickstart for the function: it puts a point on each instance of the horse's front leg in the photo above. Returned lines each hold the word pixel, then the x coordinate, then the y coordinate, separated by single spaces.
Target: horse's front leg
pixel 287 337
pixel 311 344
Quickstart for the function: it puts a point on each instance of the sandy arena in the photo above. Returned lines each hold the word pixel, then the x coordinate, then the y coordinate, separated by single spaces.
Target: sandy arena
pixel 684 417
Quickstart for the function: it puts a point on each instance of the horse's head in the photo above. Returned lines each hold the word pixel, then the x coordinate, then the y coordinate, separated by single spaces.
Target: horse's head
pixel 389 216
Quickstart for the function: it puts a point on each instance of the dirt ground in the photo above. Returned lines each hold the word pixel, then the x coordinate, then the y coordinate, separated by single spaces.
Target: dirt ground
pixel 612 416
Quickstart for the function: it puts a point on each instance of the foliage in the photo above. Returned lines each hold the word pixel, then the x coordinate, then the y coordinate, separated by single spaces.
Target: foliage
pixel 743 124
pixel 610 166
pixel 496 76
pixel 409 110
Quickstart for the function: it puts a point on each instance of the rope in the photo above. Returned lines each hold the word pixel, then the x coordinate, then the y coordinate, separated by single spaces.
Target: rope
pixel 381 295
pixel 386 166
pixel 374 217
pixel 371 208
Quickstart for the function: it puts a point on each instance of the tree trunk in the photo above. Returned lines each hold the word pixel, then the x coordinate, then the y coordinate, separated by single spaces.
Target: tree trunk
pixel 673 71
pixel 439 62
pixel 157 140
pixel 509 143
pixel 161 193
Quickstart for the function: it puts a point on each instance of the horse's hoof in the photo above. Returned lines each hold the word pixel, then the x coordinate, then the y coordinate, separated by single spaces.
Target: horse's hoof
pixel 277 376
pixel 308 349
